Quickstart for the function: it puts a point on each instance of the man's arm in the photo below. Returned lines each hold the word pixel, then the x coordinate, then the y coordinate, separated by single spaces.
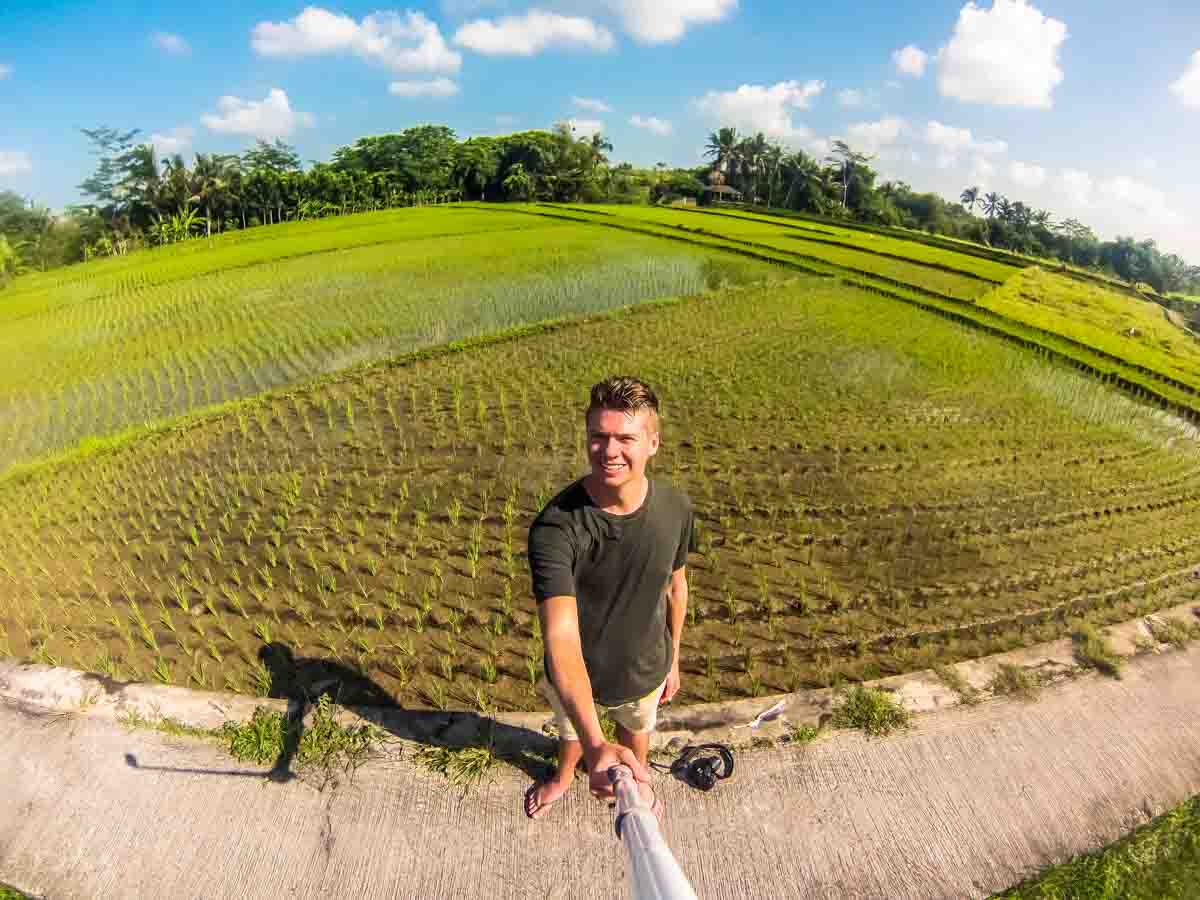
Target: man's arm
pixel 677 598
pixel 560 626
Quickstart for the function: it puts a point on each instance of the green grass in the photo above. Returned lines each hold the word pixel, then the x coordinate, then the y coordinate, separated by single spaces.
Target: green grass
pixel 7 893
pixel 1094 651
pixel 950 677
pixel 323 746
pixel 1159 861
pixel 1171 631
pixel 871 710
pixel 1015 681
pixel 1135 331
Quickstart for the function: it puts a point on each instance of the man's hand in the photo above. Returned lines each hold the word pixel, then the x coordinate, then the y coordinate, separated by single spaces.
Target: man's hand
pixel 672 687
pixel 604 756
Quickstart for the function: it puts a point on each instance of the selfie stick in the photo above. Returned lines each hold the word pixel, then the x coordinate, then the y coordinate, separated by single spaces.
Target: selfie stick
pixel 653 872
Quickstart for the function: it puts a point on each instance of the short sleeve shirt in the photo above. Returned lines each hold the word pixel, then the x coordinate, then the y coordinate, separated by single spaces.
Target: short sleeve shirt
pixel 618 569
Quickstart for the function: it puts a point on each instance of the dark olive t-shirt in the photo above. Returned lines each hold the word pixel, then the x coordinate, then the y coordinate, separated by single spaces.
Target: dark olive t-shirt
pixel 617 568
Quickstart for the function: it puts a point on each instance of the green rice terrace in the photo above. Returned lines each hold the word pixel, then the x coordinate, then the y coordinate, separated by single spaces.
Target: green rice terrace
pixel 335 434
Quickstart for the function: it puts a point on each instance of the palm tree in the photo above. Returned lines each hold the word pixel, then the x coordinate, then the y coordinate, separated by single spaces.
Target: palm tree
pixel 210 184
pixel 969 198
pixel 772 159
pixel 722 144
pixel 847 158
pixel 751 157
pixel 991 204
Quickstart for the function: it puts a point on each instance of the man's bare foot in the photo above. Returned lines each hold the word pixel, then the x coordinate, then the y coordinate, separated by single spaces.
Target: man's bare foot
pixel 540 797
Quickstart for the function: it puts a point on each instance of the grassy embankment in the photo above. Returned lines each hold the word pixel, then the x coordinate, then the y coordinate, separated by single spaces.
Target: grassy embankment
pixel 1159 861
pixel 966 288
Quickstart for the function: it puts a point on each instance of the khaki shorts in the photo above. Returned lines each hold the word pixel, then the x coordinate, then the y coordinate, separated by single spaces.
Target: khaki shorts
pixel 637 716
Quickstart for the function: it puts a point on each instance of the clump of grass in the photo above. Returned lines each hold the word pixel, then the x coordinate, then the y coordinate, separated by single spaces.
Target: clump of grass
pixel 951 677
pixel 804 734
pixel 1016 681
pixel 464 766
pixel 1094 651
pixel 874 711
pixel 324 744
pixel 165 724
pixel 1170 631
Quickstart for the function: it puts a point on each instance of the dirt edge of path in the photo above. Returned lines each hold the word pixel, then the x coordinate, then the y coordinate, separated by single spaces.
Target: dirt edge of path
pixel 738 723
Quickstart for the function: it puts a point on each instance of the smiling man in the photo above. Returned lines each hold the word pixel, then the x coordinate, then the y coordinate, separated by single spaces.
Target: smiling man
pixel 607 556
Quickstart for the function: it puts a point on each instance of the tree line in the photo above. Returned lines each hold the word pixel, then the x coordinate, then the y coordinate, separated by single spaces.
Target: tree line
pixel 135 199
pixel 843 185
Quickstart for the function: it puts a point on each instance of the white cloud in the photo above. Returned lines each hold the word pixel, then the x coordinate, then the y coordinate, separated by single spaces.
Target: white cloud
pixel 272 117
pixel 819 148
pixel 1076 186
pixel 662 21
pixel 651 123
pixel 173 142
pixel 757 107
pixel 850 98
pixel 585 128
pixel 14 162
pixel 5 71
pixel 910 61
pixel 1187 87
pixel 894 85
pixel 952 141
pixel 402 43
pixel 982 168
pixel 1027 175
pixel 1006 55
pixel 873 135
pixel 1138 197
pixel 437 87
pixel 596 106
pixel 528 34
pixel 170 43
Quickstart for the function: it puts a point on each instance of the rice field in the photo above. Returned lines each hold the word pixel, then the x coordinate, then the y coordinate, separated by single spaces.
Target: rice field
pixel 103 347
pixel 878 489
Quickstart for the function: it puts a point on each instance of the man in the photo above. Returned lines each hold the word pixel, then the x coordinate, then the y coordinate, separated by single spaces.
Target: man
pixel 607 556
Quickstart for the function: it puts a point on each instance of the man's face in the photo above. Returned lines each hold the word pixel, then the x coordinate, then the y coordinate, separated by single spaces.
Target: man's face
pixel 619 445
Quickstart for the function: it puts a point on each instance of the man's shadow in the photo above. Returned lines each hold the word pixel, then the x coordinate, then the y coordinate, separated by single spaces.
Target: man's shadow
pixel 302 681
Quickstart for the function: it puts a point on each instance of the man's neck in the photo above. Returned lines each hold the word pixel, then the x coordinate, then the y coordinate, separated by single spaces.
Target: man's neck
pixel 622 501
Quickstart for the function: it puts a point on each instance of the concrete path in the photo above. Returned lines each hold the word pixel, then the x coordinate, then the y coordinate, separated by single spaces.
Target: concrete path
pixel 968 802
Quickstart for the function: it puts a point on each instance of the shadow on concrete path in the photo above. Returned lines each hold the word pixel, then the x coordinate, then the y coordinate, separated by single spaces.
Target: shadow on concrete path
pixel 302 681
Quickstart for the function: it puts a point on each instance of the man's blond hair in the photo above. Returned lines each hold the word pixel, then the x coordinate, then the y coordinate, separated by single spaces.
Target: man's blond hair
pixel 626 394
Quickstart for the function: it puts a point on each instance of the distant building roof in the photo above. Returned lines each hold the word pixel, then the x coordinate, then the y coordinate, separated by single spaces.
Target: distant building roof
pixel 722 189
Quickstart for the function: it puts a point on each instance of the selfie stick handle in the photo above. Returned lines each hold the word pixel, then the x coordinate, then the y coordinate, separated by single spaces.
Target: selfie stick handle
pixel 653 872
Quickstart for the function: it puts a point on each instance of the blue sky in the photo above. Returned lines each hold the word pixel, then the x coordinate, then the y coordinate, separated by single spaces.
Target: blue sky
pixel 1090 108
